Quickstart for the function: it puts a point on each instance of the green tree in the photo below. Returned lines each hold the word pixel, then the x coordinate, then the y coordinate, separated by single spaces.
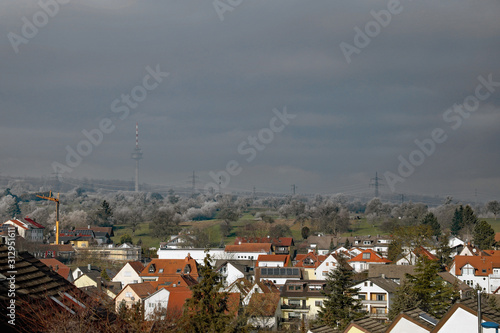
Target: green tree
pixel 104 275
pixel 408 238
pixel 207 310
pixel 484 235
pixel 443 251
pixel 341 305
pixel 431 220
pixel 164 224
pixel 469 220
pixel 305 232
pixel 126 239
pixel 457 223
pixel 104 215
pixel 426 290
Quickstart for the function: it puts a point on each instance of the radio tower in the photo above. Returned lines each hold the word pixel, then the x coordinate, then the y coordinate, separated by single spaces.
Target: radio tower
pixel 137 155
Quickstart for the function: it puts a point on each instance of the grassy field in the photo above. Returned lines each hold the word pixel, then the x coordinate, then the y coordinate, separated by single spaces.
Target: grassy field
pixel 359 227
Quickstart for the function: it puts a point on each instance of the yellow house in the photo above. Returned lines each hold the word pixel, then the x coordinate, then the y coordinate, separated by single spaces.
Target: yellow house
pixel 133 293
pixel 89 279
pixel 79 243
pixel 301 300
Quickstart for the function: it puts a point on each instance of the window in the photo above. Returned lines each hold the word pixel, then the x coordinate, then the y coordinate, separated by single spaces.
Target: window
pixel 362 297
pixel 161 270
pixel 380 297
pixel 128 294
pixel 298 287
pixel 325 273
pixel 152 268
pixel 178 270
pixel 326 264
pixel 290 287
pixel 127 274
pixel 366 255
pixel 318 303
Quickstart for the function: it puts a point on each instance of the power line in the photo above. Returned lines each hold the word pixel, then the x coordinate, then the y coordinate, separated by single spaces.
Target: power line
pixel 376 184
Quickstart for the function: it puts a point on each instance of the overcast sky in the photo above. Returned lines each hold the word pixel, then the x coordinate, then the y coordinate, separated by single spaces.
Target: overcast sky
pixel 356 103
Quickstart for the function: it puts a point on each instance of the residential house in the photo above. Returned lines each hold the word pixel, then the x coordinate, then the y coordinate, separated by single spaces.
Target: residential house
pixel 321 245
pixel 301 300
pixel 478 270
pixel 91 279
pixel 365 325
pixel 366 258
pixel 456 245
pixel 233 270
pixel 264 310
pixel 463 317
pixel 197 254
pixel 170 269
pixel 61 252
pixel 28 229
pixel 413 320
pixel 273 260
pixel 309 263
pixel 124 252
pixel 259 287
pixel 281 245
pixel 248 251
pixel 156 304
pixel 465 290
pixel 326 266
pixel 396 273
pixel 324 244
pixel 134 293
pixel 376 296
pixel 278 275
pixel 411 257
pixel 59 268
pixel 129 273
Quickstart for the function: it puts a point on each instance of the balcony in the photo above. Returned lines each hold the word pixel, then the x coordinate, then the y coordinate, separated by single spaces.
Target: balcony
pixel 295 307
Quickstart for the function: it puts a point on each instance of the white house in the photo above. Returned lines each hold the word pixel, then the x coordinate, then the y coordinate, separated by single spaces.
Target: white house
pixel 247 251
pixel 156 304
pixel 231 272
pixel 129 273
pixel 326 266
pixel 478 270
pixel 273 260
pixel 462 317
pixel 29 229
pixel 376 296
pixel 413 320
pixel 197 254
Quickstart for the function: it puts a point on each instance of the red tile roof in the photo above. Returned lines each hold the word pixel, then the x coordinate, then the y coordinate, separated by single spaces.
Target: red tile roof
pixel 303 260
pixel 178 296
pixel 171 267
pixel 250 247
pixel 18 223
pixel 57 267
pixel 421 251
pixel 142 290
pixel 35 224
pixel 480 263
pixel 374 257
pixel 282 258
pixel 263 305
pixel 136 266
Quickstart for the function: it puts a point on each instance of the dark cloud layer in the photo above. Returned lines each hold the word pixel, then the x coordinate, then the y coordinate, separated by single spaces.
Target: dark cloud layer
pixel 226 77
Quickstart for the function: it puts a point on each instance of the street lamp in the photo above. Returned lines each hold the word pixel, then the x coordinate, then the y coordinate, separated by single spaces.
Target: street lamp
pixel 490 324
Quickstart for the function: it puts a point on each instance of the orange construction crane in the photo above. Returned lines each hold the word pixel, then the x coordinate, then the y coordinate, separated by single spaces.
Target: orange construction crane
pixel 56 200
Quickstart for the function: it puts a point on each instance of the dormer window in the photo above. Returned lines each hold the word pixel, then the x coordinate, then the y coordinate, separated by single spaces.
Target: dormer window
pixel 178 271
pixel 152 268
pixel 366 255
pixel 161 270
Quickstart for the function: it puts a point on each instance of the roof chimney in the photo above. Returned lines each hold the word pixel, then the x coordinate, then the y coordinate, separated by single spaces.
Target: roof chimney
pixel 89 267
pixel 99 283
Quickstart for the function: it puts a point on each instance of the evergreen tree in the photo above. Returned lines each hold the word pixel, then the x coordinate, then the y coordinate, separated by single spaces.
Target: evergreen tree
pixel 347 244
pixel 404 299
pixel 457 222
pixel 305 232
pixel 484 235
pixel 104 215
pixel 432 221
pixel 443 252
pixel 207 310
pixel 341 305
pixel 426 290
